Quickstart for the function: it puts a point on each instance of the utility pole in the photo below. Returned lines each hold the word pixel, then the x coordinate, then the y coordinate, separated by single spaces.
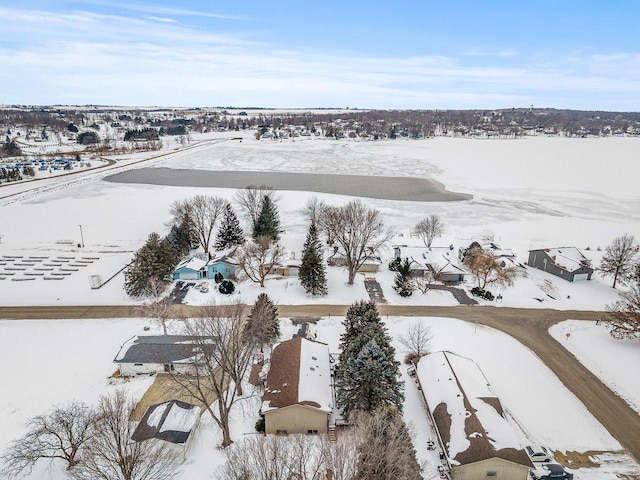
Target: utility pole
pixel 81 236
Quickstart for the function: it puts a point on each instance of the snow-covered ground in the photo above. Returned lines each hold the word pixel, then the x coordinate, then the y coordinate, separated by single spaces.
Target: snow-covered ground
pixel 615 362
pixel 530 193
pixel 72 359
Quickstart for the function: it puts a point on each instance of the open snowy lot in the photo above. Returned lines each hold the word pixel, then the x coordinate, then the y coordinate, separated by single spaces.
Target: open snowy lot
pixel 72 359
pixel 614 362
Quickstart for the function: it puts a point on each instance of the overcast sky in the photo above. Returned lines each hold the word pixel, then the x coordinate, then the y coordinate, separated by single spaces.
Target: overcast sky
pixel 358 54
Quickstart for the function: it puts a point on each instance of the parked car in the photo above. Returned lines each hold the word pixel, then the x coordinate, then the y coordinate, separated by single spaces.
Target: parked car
pixel 550 471
pixel 538 453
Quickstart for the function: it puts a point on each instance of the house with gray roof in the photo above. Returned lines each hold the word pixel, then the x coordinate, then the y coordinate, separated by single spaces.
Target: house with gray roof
pixel 149 354
pixel 564 262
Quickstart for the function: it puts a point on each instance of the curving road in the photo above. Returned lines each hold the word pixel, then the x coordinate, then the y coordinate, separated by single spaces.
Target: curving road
pixel 528 326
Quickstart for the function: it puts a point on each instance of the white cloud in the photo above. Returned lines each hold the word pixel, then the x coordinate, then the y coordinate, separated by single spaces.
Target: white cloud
pixel 86 57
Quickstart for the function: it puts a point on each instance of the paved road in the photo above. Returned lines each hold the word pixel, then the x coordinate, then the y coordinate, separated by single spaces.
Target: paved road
pixel 529 326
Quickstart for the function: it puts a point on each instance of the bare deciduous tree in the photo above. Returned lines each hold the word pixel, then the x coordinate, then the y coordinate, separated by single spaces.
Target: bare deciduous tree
pixel 625 315
pixel 225 355
pixel 302 457
pixel 110 454
pixel 59 434
pixel 429 228
pixel 619 259
pixel 328 223
pixel 360 232
pixel 423 283
pixel 204 214
pixel 417 339
pixel 313 210
pixel 250 199
pixel 158 308
pixel 486 269
pixel 258 258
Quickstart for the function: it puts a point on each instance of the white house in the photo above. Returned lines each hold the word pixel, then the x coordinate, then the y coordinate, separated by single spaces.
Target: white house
pixel 151 354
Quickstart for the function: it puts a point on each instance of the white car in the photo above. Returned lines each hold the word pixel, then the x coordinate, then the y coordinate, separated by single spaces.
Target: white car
pixel 538 453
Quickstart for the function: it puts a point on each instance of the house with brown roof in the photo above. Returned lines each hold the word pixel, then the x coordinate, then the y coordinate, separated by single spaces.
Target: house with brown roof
pixel 476 438
pixel 298 396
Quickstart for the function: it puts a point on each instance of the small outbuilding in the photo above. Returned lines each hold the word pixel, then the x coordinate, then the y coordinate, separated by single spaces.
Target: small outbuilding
pixel 298 396
pixel 564 262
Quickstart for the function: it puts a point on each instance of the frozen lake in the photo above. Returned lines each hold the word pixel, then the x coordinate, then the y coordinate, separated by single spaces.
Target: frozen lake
pixel 385 188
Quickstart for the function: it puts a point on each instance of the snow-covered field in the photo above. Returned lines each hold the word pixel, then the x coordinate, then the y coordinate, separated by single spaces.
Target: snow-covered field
pixel 530 193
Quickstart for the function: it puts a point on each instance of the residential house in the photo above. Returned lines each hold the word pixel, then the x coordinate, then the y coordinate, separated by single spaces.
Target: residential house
pixel 371 263
pixel 172 421
pixel 223 263
pixel 191 268
pixel 505 257
pixel 149 354
pixel 564 262
pixel 298 396
pixel 440 262
pixel 476 438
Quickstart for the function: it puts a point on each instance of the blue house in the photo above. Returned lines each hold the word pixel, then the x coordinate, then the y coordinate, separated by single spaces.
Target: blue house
pixel 190 269
pixel 223 263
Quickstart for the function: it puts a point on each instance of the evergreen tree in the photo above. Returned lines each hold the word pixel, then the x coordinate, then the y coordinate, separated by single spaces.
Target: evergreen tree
pixel 369 382
pixel 152 263
pixel 179 238
pixel 403 283
pixel 230 233
pixel 312 270
pixel 262 324
pixel 268 222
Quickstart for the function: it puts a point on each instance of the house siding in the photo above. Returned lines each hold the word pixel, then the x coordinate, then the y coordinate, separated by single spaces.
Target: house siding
pixel 227 270
pixel 504 470
pixel 131 369
pixel 296 419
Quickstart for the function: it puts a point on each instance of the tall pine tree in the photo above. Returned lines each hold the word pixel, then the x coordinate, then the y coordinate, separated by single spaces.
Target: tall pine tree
pixel 230 233
pixel 268 222
pixel 369 381
pixel 312 272
pixel 262 326
pixel 403 283
pixel 154 261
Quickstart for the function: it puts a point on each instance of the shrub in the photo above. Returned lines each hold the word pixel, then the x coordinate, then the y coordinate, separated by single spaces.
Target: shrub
pixel 394 264
pixel 226 287
pixel 260 426
pixel 410 358
pixel 488 295
pixel 218 277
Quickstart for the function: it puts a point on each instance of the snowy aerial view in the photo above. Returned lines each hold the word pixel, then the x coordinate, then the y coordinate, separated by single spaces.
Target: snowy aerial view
pixel 441 285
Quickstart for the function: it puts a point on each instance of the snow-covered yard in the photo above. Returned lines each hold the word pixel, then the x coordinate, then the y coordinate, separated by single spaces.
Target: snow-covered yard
pixel 72 359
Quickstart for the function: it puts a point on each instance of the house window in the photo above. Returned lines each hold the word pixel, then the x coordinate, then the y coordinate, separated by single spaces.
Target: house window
pixel 312 432
pixel 492 474
pixel 281 432
pixel 137 364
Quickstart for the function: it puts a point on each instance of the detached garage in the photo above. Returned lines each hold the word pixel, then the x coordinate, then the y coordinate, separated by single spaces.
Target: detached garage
pixel 190 269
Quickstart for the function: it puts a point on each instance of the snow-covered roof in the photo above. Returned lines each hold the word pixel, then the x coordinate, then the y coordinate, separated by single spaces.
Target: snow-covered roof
pixel 192 263
pixel 467 413
pixel 224 256
pixel 172 421
pixel 568 258
pixel 164 349
pixel 442 259
pixel 299 374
